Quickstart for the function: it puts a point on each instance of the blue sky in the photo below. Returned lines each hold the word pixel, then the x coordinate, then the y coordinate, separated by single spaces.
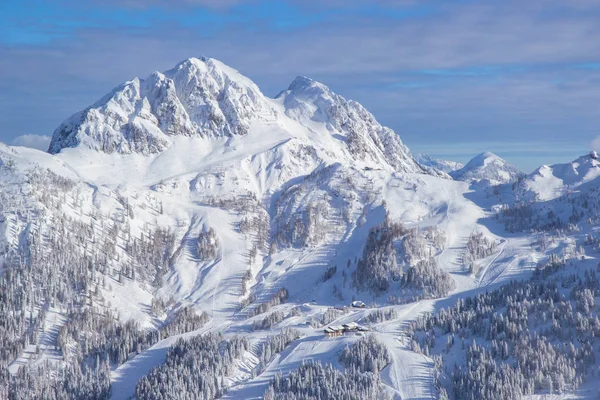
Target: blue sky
pixel 453 78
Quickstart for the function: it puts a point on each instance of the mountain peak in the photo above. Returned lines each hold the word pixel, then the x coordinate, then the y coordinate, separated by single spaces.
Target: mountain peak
pixel 205 68
pixel 198 62
pixel 308 101
pixel 201 59
pixel 484 158
pixel 486 154
pixel 201 63
pixel 198 97
pixel 487 167
pixel 303 83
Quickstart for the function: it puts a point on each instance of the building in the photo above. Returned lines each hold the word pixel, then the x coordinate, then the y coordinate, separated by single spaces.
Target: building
pixel 358 304
pixel 349 328
pixel 352 326
pixel 334 331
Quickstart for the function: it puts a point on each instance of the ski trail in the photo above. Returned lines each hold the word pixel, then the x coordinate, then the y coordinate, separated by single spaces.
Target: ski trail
pixel 483 281
pixel 410 374
pixel 46 346
pixel 125 377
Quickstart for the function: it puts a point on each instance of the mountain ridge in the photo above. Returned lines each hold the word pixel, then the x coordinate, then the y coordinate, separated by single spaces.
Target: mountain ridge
pixel 437 163
pixel 206 99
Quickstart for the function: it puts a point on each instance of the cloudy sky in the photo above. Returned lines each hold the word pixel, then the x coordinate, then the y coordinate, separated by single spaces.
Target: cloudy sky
pixel 452 77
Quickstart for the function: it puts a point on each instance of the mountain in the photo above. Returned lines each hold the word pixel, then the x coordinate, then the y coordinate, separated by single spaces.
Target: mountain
pixel 550 181
pixel 186 225
pixel 205 99
pixel 439 164
pixel 310 102
pixel 487 168
pixel 559 196
pixel 199 97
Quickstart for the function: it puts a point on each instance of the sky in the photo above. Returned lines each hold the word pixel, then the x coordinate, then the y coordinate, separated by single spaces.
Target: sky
pixel 452 77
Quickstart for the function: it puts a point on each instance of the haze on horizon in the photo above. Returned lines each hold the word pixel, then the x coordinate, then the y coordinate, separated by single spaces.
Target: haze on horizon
pixel 453 79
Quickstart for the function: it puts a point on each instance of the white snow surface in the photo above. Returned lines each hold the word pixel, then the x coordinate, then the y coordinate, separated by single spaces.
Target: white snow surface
pixel 487 168
pixel 446 166
pixel 551 181
pixel 201 134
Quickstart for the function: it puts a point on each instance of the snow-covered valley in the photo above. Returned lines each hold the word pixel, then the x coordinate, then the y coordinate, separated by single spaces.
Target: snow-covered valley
pixel 187 213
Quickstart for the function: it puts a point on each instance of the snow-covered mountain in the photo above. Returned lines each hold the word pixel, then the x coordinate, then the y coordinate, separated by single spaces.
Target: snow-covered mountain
pixel 550 181
pixel 203 98
pixel 559 196
pixel 307 101
pixel 446 166
pixel 487 168
pixel 199 97
pixel 190 206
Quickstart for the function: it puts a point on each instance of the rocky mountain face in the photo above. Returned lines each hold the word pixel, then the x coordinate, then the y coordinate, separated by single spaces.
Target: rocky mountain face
pixel 307 101
pixel 207 99
pixel 199 97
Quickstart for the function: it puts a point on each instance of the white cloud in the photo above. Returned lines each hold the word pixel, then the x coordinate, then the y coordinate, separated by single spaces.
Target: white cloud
pixel 596 144
pixel 39 142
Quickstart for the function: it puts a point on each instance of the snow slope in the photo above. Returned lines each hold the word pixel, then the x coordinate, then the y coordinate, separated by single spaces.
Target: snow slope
pixel 552 181
pixel 292 186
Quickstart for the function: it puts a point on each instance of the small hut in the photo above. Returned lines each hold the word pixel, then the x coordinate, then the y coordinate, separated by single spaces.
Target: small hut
pixel 358 304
